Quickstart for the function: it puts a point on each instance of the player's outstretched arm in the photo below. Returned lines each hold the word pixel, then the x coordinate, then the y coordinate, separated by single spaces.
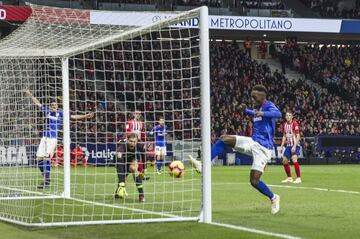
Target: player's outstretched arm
pixel 81 117
pixel 271 112
pixel 246 111
pixel 33 98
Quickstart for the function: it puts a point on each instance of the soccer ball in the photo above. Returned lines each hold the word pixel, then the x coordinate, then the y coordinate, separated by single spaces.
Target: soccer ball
pixel 177 169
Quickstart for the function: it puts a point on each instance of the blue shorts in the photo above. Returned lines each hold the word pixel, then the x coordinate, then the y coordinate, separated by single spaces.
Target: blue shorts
pixel 287 152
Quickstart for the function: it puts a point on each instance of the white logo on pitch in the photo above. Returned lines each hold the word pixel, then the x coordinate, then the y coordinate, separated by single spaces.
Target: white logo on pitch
pixel 13 155
pixel 2 14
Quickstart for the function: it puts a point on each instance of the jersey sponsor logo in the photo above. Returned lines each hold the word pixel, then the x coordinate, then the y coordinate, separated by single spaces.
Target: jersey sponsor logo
pixel 259 118
pixel 13 155
pixel 53 117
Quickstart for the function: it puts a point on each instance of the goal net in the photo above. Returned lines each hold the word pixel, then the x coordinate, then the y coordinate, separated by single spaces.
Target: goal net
pixel 73 85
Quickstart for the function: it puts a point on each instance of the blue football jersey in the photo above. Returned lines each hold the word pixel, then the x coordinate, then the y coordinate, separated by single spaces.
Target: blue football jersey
pixel 53 122
pixel 264 126
pixel 160 133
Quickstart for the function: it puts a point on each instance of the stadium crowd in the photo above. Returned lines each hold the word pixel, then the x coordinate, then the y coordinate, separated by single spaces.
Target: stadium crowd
pixel 110 83
pixel 334 9
pixel 115 90
pixel 263 4
pixel 209 3
pixel 335 68
pixel 97 87
pixel 233 74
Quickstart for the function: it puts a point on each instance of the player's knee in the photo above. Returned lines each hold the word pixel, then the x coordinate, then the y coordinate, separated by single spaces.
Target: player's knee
pixel 228 139
pixel 294 159
pixel 132 169
pixel 254 182
pixel 285 161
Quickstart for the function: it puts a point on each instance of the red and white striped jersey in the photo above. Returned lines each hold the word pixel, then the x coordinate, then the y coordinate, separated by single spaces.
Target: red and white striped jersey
pixel 290 131
pixel 136 127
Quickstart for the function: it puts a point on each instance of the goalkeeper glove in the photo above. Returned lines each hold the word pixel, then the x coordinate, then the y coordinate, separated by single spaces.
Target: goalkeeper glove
pixel 121 191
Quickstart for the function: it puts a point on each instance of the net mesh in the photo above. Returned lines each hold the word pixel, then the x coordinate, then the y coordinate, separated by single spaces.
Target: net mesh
pixel 114 71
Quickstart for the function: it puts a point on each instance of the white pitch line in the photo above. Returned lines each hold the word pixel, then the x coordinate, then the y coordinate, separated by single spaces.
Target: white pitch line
pixel 126 208
pixel 252 230
pixel 297 187
pixel 316 189
pixel 25 191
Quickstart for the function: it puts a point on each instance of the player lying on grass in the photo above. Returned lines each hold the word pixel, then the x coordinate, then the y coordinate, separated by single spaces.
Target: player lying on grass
pixel 291 136
pixel 259 146
pixel 160 143
pixel 53 124
pixel 129 153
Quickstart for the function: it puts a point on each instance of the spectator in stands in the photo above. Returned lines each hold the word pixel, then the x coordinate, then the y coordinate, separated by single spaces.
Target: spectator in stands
pixel 262 49
pixel 330 66
pixel 210 3
pixel 334 9
pixel 283 59
pixel 232 72
pixel 247 46
pixel 232 75
pixel 269 4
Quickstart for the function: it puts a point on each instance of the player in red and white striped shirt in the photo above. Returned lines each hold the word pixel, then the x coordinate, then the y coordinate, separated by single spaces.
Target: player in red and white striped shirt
pixel 137 126
pixel 291 136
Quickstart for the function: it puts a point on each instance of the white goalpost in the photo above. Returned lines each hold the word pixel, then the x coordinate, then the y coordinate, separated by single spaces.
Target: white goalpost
pixel 69 87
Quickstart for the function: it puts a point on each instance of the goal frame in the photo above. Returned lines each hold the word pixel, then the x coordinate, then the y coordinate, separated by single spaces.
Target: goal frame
pixel 205 215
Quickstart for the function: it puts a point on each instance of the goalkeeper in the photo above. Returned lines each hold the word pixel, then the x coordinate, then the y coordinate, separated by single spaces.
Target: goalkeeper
pixel 129 153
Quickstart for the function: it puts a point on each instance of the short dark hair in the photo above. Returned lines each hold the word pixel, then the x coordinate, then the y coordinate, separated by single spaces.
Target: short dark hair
pixel 260 88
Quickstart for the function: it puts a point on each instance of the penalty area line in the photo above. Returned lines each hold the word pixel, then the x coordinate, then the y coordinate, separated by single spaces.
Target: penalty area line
pixel 252 230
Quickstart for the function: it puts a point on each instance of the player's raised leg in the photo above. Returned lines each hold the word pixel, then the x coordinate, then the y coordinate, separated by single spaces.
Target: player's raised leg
pixel 217 150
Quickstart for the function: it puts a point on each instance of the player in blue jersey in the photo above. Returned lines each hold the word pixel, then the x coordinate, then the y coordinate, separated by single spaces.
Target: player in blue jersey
pixel 53 124
pixel 259 146
pixel 160 143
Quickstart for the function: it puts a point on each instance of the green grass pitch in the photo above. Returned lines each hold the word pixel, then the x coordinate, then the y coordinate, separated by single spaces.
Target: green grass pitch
pixel 317 209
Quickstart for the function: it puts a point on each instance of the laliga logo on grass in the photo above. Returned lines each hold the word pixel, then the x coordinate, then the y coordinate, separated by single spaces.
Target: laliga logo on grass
pixel 2 14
